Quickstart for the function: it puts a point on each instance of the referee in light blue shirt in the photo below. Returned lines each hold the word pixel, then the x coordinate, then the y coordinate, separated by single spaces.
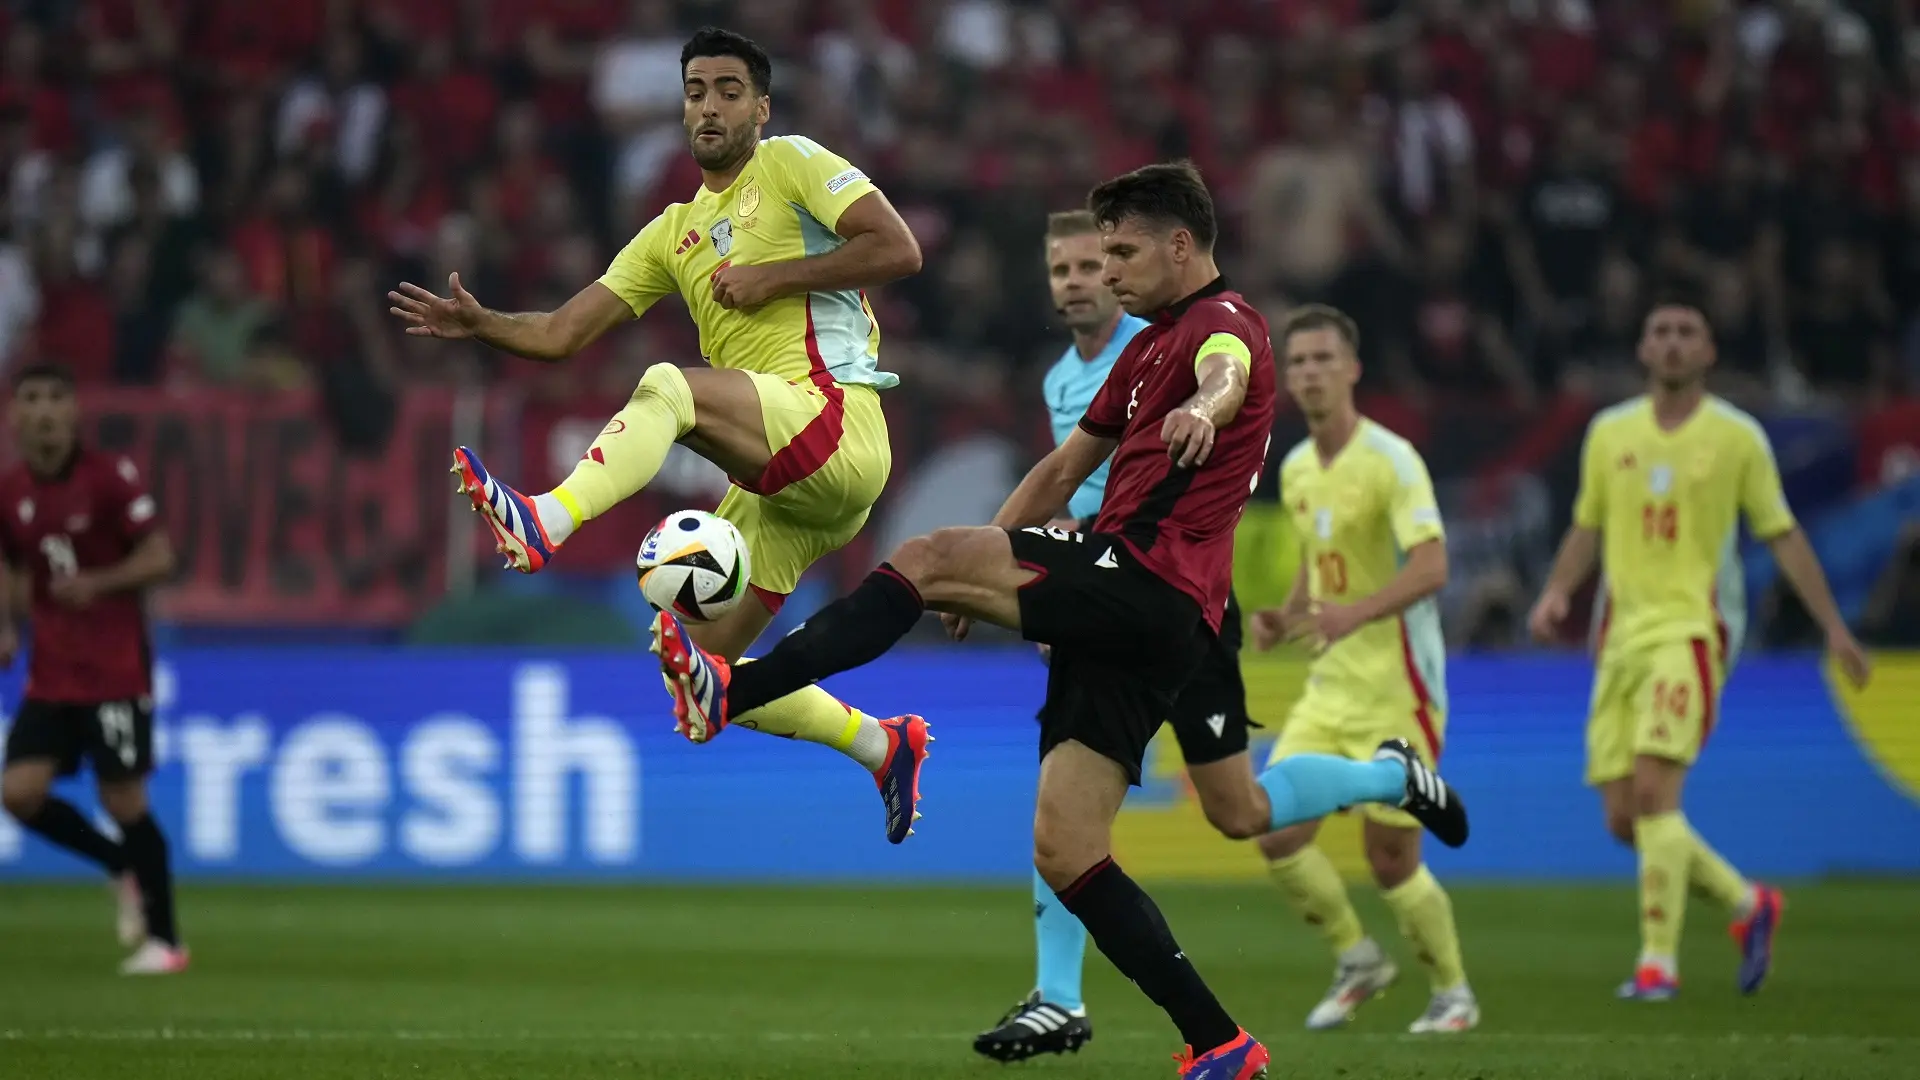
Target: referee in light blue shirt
pixel 1210 719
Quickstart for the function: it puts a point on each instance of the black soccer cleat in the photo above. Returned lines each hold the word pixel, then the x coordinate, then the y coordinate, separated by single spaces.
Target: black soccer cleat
pixel 1431 801
pixel 1034 1027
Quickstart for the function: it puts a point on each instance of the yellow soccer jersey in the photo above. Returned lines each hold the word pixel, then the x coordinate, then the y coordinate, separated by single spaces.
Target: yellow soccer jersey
pixel 1667 505
pixel 1357 518
pixel 783 205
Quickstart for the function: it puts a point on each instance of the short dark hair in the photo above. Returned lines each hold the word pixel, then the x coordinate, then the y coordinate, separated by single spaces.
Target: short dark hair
pixel 1169 193
pixel 1070 223
pixel 713 41
pixel 1684 297
pixel 1320 317
pixel 50 370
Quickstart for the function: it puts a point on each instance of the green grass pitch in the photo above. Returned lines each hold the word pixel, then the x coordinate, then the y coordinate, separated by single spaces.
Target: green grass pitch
pixel 806 984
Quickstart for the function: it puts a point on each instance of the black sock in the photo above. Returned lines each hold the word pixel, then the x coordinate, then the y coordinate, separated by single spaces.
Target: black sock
pixel 147 857
pixel 1127 926
pixel 59 822
pixel 853 630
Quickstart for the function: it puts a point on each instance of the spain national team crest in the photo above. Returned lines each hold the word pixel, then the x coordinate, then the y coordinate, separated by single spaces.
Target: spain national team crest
pixel 722 236
pixel 1660 479
pixel 749 199
pixel 1323 523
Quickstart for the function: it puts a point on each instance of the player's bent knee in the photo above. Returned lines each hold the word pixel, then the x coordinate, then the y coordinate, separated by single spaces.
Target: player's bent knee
pixel 1288 842
pixel 23 795
pixel 1392 864
pixel 1620 827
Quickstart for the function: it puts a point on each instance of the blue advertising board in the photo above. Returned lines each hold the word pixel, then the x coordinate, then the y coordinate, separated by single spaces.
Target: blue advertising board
pixel 289 763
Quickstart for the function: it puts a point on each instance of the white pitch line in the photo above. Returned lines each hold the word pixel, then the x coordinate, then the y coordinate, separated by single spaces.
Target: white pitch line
pixel 241 1035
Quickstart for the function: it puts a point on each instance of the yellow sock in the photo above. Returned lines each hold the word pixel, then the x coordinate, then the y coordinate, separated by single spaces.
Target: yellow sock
pixel 1716 878
pixel 1666 856
pixel 1426 919
pixel 815 716
pixel 632 447
pixel 1314 889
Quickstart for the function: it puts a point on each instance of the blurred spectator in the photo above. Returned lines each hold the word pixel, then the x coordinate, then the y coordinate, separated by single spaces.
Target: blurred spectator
pixel 636 89
pixel 216 326
pixel 1308 202
pixel 1838 339
pixel 106 185
pixel 339 105
pixel 1569 216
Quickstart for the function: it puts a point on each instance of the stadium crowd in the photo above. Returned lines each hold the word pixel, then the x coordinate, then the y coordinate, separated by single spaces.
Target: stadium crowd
pixel 219 192
pixel 222 190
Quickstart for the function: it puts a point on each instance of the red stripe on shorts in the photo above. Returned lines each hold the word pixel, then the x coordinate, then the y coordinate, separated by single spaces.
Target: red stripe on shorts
pixel 1423 707
pixel 1703 663
pixel 806 452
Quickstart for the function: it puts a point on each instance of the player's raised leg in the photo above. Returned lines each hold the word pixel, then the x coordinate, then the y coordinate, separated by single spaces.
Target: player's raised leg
pixel 1308 787
pixel 124 795
pixel 719 408
pixel 1425 914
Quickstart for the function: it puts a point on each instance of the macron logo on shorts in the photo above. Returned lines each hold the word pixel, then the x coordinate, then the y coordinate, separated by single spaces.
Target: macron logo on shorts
pixel 1106 561
pixel 1218 722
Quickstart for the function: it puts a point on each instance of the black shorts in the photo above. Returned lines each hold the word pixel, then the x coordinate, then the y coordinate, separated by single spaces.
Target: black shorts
pixel 1125 643
pixel 116 736
pixel 1210 717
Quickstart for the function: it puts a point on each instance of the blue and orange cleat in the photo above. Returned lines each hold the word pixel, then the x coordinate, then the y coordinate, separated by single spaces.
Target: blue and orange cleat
pixel 1754 935
pixel 899 776
pixel 1241 1059
pixel 696 678
pixel 1649 983
pixel 517 532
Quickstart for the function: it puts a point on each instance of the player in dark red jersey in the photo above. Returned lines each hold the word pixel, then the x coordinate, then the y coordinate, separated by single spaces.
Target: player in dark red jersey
pixel 85 536
pixel 1129 608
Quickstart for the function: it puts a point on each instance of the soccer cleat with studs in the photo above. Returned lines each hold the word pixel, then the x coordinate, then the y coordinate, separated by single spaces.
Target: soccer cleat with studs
pixel 517 532
pixel 696 678
pixel 898 776
pixel 1241 1059
pixel 1034 1027
pixel 1430 800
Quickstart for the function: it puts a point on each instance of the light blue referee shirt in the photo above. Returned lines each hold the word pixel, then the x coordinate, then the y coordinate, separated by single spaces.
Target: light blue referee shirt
pixel 1070 387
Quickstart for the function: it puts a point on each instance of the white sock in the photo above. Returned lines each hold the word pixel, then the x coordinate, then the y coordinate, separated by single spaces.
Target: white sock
pixel 1666 965
pixel 869 746
pixel 1366 953
pixel 554 517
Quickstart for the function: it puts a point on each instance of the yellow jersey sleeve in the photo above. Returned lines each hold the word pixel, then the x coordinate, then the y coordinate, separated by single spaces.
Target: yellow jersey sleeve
pixel 1590 504
pixel 639 273
pixel 1762 498
pixel 815 178
pixel 1413 511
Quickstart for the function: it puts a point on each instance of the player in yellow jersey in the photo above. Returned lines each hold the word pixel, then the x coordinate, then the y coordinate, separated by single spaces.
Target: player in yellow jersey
pixel 1664 480
pixel 771 256
pixel 1374 554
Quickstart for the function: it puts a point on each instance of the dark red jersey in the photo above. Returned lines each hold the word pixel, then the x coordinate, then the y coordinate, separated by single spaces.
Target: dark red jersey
pixel 89 517
pixel 1179 522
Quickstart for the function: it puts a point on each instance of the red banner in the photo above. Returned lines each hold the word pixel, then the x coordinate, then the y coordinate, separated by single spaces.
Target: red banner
pixel 272 522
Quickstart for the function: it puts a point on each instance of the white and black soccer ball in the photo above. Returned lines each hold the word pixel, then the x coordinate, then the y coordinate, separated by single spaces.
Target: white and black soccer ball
pixel 694 565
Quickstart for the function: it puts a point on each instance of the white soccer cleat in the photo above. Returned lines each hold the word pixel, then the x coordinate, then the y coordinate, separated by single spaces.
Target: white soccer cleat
pixel 1355 982
pixel 131 918
pixel 1450 1012
pixel 156 957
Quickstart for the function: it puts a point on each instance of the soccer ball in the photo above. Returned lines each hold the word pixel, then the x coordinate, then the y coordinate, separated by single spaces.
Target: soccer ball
pixel 694 565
